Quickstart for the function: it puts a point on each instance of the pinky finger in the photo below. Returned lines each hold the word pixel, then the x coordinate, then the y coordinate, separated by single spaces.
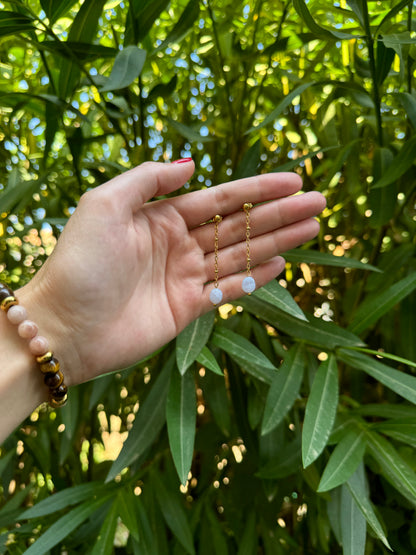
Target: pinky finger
pixel 231 286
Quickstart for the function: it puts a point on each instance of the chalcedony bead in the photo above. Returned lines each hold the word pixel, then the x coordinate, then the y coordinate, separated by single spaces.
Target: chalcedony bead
pixel 38 345
pixel 27 329
pixel 215 296
pixel 248 285
pixel 16 314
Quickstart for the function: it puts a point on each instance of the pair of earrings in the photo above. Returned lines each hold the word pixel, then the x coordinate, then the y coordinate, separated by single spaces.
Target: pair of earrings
pixel 248 285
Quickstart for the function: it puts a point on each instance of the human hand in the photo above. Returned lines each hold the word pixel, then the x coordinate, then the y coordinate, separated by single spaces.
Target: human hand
pixel 128 275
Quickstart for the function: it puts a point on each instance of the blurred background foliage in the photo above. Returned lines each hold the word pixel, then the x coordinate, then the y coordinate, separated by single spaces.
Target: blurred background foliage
pixel 284 423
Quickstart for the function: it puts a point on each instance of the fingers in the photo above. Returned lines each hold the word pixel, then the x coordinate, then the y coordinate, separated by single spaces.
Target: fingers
pixel 231 285
pixel 200 206
pixel 263 219
pixel 232 259
pixel 151 179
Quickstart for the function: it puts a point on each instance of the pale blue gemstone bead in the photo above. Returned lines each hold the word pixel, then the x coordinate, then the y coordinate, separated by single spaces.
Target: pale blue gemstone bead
pixel 248 285
pixel 215 296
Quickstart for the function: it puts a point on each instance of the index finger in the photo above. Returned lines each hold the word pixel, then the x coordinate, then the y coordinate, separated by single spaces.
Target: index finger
pixel 200 206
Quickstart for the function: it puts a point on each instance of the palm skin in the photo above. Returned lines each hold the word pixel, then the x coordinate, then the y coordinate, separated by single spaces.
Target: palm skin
pixel 128 275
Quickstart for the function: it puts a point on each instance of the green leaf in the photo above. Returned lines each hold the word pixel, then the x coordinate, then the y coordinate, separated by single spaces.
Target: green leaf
pixel 399 382
pixel 353 525
pixel 357 8
pixel 281 107
pixel 216 396
pixel 401 163
pixel 174 515
pixel 326 259
pixel 141 16
pixel 393 466
pixel 104 544
pixel 83 29
pixel 208 360
pixel 244 353
pixel 385 57
pixel 320 411
pixel 382 202
pixel 289 166
pixel 321 32
pixel 409 104
pixel 373 308
pixel 284 389
pixel 190 133
pixel 55 9
pixel 147 424
pixel 357 486
pixel 278 296
pixel 344 460
pixel 192 339
pixel 315 331
pixel 65 525
pixel 181 421
pixel 127 509
pixel 183 26
pixel 401 429
pixel 127 67
pixel 388 410
pixel 249 541
pixel 395 10
pixel 13 23
pixel 383 354
pixel 286 464
pixel 63 499
pixel 249 163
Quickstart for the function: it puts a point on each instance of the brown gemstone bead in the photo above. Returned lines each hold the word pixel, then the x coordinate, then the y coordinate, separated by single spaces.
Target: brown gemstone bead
pixel 5 292
pixel 45 358
pixel 50 367
pixel 7 302
pixel 57 403
pixel 53 380
pixel 59 392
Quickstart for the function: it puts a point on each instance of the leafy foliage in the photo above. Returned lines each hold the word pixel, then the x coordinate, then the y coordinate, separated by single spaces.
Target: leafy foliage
pixel 266 427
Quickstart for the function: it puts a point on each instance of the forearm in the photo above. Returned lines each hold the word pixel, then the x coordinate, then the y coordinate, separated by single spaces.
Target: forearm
pixel 21 387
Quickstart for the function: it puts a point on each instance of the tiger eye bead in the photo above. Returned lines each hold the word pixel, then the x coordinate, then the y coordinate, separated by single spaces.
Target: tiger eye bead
pixel 53 380
pixel 7 302
pixel 59 392
pixel 57 403
pixel 50 367
pixel 45 358
pixel 5 292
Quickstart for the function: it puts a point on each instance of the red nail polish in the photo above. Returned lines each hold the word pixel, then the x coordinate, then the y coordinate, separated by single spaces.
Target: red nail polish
pixel 182 161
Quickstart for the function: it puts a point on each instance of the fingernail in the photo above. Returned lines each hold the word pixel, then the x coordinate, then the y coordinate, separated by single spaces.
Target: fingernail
pixel 182 161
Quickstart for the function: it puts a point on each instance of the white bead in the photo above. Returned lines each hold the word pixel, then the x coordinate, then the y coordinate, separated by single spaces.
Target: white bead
pixel 215 296
pixel 248 285
pixel 16 314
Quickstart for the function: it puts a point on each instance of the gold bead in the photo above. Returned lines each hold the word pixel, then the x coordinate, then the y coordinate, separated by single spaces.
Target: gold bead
pixel 217 219
pixel 247 206
pixel 44 358
pixel 8 302
pixel 57 403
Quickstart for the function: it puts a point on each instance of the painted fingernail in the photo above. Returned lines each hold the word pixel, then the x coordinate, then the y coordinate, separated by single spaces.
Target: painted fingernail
pixel 182 161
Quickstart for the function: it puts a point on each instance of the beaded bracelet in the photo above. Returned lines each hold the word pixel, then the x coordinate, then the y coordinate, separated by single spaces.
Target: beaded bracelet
pixel 38 346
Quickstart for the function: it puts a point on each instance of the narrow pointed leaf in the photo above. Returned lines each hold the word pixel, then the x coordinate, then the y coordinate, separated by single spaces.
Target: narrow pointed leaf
pixel 147 424
pixel 104 544
pixel 208 360
pixel 393 466
pixel 181 421
pixel 409 104
pixel 281 107
pixel 284 389
pixel 127 67
pixel 401 383
pixel 401 163
pixel 174 515
pixel 127 510
pixel 401 429
pixel 344 460
pixel 245 353
pixel 320 411
pixel 278 296
pixel 326 259
pixel 192 339
pixel 371 310
pixel 321 32
pixel 65 525
pixel 356 485
pixel 353 525
pixel 315 331
pixel 183 26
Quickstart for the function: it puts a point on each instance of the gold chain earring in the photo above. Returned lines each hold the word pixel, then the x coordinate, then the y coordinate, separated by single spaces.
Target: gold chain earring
pixel 248 285
pixel 216 294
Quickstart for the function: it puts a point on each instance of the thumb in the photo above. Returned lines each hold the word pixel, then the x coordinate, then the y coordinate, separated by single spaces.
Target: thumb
pixel 149 180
